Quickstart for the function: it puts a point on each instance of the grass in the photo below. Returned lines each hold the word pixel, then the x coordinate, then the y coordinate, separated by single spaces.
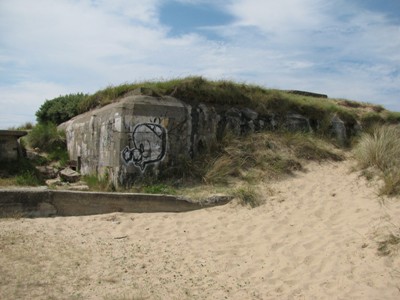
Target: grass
pixel 159 189
pixel 28 178
pixel 60 155
pixel 391 180
pixel 371 119
pixel 248 196
pixel 47 137
pixel 381 149
pixel 101 184
pixel 272 154
pixel 194 90
pixel 19 172
pixel 238 160
pixel 392 117
pixel 390 245
pixel 23 171
pixel 245 161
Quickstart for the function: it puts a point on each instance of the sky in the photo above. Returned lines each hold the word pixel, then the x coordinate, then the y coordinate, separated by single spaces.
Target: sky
pixel 343 48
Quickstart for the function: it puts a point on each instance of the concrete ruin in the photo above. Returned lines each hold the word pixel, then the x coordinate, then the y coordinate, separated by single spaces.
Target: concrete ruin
pixel 10 147
pixel 144 136
pixel 48 203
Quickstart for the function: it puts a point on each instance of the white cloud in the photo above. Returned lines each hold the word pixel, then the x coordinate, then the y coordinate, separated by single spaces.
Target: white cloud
pixel 336 48
pixel 48 48
pixel 73 46
pixel 279 17
pixel 71 32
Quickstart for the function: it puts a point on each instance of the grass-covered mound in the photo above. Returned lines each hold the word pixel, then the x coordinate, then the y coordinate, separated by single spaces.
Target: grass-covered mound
pixel 221 93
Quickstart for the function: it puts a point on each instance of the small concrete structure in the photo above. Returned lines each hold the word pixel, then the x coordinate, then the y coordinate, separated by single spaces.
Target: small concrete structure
pixel 139 136
pixel 10 147
pixel 47 203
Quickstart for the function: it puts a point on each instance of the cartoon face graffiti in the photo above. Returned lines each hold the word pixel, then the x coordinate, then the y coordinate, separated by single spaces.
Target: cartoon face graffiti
pixel 149 145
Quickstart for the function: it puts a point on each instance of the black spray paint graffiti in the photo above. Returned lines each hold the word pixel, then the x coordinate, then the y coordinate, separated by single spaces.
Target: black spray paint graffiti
pixel 149 145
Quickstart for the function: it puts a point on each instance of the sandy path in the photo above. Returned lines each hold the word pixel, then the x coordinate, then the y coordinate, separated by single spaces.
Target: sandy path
pixel 315 238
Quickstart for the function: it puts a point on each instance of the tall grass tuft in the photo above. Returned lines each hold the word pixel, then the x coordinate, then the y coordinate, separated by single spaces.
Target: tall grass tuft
pixel 248 196
pixel 381 149
pixel 28 178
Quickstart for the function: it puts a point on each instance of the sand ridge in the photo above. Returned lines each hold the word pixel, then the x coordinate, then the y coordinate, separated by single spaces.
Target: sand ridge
pixel 314 238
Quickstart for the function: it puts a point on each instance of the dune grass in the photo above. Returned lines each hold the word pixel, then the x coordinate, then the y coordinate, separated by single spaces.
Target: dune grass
pixel 240 163
pixel 272 154
pixel 225 93
pixel 248 196
pixel 236 166
pixel 381 149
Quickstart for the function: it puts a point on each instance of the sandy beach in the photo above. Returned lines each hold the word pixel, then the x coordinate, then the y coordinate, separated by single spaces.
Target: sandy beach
pixel 315 237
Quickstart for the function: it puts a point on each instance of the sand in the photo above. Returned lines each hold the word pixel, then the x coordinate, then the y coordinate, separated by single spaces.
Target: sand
pixel 316 237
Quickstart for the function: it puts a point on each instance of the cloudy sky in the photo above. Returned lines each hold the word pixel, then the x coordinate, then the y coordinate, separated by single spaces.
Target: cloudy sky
pixel 344 48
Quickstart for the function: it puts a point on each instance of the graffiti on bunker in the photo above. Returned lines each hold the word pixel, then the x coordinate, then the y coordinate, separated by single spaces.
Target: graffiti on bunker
pixel 149 145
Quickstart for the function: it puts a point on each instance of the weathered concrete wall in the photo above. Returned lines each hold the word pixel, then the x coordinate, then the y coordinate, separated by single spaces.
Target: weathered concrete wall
pixel 124 140
pixel 44 203
pixel 10 148
pixel 139 136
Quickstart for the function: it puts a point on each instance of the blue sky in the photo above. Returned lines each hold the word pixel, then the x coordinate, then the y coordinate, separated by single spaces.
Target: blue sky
pixel 344 48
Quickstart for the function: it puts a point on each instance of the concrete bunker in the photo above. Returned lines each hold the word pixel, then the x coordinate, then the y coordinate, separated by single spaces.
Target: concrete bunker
pixel 138 136
pixel 10 146
pixel 143 136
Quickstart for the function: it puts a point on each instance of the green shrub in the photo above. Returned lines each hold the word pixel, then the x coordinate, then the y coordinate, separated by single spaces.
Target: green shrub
pixel 60 109
pixel 60 154
pixel 47 137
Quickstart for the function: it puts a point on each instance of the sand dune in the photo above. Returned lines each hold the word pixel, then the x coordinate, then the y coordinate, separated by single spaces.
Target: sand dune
pixel 314 238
